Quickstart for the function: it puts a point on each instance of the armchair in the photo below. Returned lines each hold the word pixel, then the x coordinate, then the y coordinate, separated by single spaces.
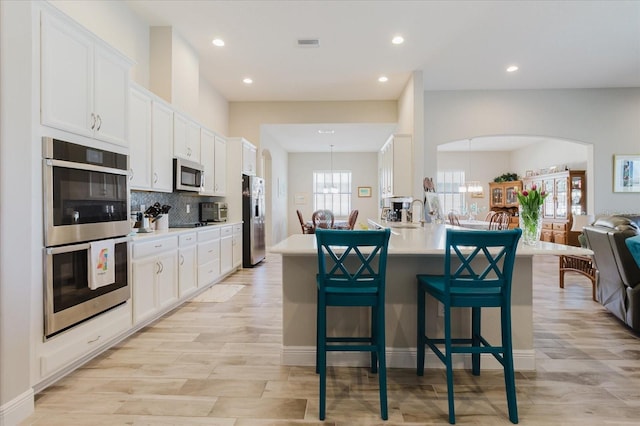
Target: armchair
pixel 618 285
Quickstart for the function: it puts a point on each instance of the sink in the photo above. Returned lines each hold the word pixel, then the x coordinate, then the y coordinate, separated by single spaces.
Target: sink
pixel 404 225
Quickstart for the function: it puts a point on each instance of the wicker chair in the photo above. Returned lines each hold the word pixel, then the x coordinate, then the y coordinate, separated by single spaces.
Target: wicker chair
pixel 322 219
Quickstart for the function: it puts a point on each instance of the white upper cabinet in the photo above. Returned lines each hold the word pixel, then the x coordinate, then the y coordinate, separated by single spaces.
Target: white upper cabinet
pixel 84 82
pixel 162 151
pixel 396 167
pixel 220 167
pixel 140 146
pixel 186 138
pixel 207 158
pixel 249 159
pixel 151 147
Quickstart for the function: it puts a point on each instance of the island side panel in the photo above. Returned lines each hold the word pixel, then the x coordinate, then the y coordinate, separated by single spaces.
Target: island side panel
pixel 299 310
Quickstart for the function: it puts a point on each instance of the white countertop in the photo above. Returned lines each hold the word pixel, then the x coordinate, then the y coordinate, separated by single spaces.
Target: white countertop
pixel 176 231
pixel 417 240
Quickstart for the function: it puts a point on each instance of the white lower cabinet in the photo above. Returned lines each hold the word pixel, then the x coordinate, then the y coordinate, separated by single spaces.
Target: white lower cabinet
pixel 237 245
pixel 226 249
pixel 187 264
pixel 208 256
pixel 155 276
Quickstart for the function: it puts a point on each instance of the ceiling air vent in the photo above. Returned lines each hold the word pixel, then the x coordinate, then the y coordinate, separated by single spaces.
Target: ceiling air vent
pixel 308 42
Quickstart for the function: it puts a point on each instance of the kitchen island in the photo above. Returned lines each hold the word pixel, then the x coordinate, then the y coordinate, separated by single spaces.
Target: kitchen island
pixel 413 249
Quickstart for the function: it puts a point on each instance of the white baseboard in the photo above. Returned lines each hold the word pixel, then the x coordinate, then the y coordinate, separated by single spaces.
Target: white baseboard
pixel 18 409
pixel 523 359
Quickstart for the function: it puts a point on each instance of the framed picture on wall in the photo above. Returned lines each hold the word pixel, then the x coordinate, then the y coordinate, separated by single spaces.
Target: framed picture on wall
pixel 364 191
pixel 626 173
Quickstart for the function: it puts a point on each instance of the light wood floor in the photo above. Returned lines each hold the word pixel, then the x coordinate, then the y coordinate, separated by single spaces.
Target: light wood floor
pixel 217 363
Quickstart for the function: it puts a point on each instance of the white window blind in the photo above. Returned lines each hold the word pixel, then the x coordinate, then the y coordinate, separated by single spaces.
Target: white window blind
pixel 332 191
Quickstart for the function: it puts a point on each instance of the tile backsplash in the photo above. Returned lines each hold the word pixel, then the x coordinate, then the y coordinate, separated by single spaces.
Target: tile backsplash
pixel 177 200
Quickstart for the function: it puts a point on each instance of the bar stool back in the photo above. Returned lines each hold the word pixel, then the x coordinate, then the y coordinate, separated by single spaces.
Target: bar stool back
pixel 352 268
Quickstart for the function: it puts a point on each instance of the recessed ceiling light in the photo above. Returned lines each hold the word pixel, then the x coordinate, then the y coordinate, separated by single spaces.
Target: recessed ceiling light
pixel 512 68
pixel 326 132
pixel 247 80
pixel 383 79
pixel 218 42
pixel 397 40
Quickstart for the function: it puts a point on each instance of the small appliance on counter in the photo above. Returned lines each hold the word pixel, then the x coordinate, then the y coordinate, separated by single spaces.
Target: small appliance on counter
pixel 213 212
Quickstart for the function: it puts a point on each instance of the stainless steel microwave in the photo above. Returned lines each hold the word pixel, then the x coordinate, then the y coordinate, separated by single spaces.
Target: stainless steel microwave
pixel 188 175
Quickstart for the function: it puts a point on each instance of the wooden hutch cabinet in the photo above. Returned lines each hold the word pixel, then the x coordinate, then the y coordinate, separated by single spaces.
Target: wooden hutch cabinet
pixel 567 195
pixel 503 197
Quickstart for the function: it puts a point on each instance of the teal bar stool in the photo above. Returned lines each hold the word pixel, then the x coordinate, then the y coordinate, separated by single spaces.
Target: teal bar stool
pixel 478 267
pixel 351 272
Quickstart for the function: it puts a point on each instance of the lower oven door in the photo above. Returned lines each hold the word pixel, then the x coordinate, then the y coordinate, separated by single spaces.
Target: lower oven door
pixel 68 300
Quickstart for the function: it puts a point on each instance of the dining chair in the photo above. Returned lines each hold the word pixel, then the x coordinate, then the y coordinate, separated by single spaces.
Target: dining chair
pixel 352 269
pixel 478 269
pixel 489 215
pixel 353 216
pixel 322 219
pixel 454 218
pixel 306 228
pixel 499 221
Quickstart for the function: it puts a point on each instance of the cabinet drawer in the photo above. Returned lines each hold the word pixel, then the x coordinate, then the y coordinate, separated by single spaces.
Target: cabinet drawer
pixel 560 238
pixel 208 251
pixel 208 272
pixel 237 228
pixel 546 236
pixel 226 231
pixel 186 240
pixel 152 248
pixel 559 226
pixel 209 234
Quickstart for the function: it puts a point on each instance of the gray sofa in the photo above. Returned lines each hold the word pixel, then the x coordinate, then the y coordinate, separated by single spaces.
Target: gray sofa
pixel 618 286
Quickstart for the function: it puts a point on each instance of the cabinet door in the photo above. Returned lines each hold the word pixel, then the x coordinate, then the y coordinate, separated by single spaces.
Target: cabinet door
pixel 578 201
pixel 207 157
pixel 167 279
pixel 140 137
pixel 226 254
pixel 237 246
pixel 187 270
pixel 162 152
pixel 510 195
pixel 248 159
pixel 180 148
pixel 193 141
pixel 220 166
pixel 548 211
pixel 562 198
pixel 144 288
pixel 111 94
pixel 66 77
pixel 497 197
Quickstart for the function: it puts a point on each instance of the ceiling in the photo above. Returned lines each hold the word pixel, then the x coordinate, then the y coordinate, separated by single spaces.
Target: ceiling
pixel 458 45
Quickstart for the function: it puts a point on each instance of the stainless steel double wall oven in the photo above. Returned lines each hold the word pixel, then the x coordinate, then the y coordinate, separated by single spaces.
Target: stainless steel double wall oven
pixel 86 198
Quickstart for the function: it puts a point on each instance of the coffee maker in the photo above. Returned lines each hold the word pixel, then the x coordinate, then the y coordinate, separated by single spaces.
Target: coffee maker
pixel 399 208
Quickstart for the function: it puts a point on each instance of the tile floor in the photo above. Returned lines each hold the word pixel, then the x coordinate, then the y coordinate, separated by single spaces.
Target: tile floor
pixel 217 363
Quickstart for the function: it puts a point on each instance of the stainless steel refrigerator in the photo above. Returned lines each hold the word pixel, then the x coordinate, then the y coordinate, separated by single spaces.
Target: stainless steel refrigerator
pixel 253 240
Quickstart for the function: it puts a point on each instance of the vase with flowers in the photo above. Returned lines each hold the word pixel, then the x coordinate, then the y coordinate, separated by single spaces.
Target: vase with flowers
pixel 530 210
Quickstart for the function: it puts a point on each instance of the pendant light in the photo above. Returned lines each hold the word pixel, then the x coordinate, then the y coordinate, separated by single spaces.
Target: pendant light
pixel 333 188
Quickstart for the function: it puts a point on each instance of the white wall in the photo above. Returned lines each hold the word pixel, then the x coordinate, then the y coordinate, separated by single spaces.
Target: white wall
pixel 18 208
pixel 276 177
pixel 607 118
pixel 364 173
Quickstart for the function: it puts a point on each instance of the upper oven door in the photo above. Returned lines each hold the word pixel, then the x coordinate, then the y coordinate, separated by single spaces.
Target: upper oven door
pixel 84 201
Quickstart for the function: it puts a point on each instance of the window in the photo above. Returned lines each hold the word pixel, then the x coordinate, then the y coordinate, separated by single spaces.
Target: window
pixel 448 191
pixel 332 191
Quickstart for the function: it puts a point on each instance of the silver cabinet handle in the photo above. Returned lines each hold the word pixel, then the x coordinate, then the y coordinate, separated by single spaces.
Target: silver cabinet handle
pixel 181 260
pixel 155 177
pixel 93 121
pixel 188 152
pixel 94 340
pixel 159 268
pixel 130 174
pixel 99 122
